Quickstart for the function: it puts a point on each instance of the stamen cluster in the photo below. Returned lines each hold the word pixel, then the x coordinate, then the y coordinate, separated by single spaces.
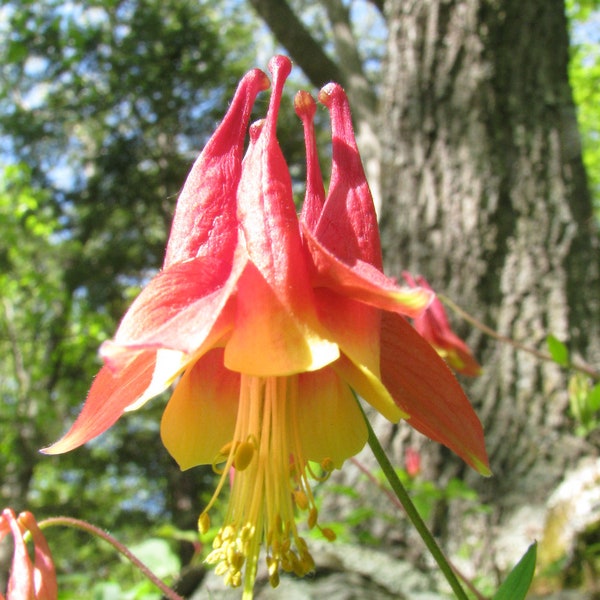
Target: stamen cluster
pixel 270 486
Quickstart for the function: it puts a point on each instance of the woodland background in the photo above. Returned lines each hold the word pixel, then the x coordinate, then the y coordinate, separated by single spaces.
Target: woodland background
pixel 479 125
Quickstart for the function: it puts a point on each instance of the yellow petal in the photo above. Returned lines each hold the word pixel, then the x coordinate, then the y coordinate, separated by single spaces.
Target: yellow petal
pixel 330 423
pixel 169 364
pixel 353 325
pixel 200 416
pixel 369 387
pixel 272 338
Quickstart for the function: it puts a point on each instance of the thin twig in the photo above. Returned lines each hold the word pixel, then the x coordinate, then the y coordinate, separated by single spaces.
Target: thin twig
pixel 118 546
pixel 411 511
pixel 577 366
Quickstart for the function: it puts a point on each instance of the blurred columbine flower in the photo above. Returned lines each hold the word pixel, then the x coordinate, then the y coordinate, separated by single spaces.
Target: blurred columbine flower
pixel 271 321
pixel 434 326
pixel 412 462
pixel 28 581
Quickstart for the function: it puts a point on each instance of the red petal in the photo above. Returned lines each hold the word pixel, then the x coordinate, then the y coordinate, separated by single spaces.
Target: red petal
pixel 275 305
pixel 364 282
pixel 353 325
pixel 426 389
pixel 201 414
pixel 108 398
pixel 20 583
pixel 434 326
pixel 178 309
pixel 348 224
pixel 205 217
pixel 44 575
pixel 269 337
pixel 314 198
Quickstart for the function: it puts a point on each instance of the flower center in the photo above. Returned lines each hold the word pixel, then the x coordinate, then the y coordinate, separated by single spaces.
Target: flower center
pixel 270 483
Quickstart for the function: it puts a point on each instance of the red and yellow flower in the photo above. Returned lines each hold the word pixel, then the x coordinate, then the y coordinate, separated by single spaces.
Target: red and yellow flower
pixel 28 580
pixel 268 323
pixel 434 326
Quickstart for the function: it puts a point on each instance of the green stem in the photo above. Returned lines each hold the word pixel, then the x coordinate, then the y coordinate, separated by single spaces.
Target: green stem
pixel 118 546
pixel 394 500
pixel 413 513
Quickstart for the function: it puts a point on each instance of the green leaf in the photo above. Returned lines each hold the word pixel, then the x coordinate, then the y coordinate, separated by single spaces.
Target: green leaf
pixel 558 351
pixel 593 398
pixel 157 555
pixel 517 583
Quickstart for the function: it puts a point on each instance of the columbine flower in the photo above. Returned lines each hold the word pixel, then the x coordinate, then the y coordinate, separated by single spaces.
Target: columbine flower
pixel 272 321
pixel 28 581
pixel 433 325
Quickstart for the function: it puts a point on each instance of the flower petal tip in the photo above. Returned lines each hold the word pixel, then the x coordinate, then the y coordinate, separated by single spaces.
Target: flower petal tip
pixel 482 467
pixel 280 66
pixel 59 447
pixel 258 79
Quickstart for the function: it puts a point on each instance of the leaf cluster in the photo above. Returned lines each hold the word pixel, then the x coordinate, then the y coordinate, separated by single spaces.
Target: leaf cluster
pixel 103 108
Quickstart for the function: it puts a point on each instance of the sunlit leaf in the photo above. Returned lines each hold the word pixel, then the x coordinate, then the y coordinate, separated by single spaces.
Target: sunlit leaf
pixel 516 585
pixel 558 351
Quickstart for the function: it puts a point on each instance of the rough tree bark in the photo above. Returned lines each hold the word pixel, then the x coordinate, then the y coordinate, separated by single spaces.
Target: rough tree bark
pixel 485 194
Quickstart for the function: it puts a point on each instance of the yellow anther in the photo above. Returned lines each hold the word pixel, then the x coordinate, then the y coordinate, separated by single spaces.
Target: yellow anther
pixel 301 499
pixel 221 569
pixel 328 533
pixel 225 451
pixel 237 561
pixel 243 455
pixel 274 579
pixel 247 532
pixel 236 579
pixel 308 562
pixel 296 565
pixel 286 564
pixel 203 522
pixel 233 578
pixel 312 518
pixel 302 546
pixel 227 532
pixel 327 464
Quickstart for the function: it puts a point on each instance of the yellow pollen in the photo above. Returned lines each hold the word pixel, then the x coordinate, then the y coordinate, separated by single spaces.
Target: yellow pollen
pixel 270 475
pixel 243 456
pixel 301 500
pixel 203 522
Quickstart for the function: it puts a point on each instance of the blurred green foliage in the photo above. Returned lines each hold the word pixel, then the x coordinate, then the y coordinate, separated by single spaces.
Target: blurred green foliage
pixel 103 108
pixel 584 73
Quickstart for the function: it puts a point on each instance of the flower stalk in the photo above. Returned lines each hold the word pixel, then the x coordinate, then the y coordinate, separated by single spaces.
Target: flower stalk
pixel 411 510
pixel 575 365
pixel 118 546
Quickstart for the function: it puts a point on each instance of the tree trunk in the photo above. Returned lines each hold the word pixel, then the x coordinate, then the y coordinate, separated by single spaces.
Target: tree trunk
pixel 485 194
